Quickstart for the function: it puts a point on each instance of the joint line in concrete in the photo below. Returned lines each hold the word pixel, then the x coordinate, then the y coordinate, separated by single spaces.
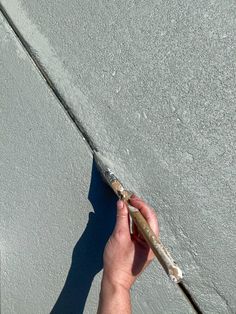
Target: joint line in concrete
pixel 72 116
pixel 48 80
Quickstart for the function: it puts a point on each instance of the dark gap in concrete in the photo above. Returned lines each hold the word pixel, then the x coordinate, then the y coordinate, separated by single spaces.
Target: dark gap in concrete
pixel 74 119
pixel 48 80
pixel 189 297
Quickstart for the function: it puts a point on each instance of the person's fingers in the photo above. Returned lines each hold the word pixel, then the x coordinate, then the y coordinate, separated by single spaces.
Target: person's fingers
pixel 135 230
pixel 146 211
pixel 122 219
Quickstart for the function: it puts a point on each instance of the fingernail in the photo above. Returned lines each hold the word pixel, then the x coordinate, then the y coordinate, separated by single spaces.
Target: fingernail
pixel 120 204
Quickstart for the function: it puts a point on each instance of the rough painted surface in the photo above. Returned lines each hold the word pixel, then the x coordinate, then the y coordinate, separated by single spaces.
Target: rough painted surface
pixel 56 214
pixel 154 84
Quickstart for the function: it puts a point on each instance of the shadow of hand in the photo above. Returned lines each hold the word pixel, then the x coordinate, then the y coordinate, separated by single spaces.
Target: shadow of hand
pixel 88 252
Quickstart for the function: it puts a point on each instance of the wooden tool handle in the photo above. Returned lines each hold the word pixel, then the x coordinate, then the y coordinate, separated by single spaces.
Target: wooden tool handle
pixel 157 247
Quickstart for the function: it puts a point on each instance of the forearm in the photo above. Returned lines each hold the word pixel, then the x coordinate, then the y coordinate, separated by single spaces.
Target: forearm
pixel 113 299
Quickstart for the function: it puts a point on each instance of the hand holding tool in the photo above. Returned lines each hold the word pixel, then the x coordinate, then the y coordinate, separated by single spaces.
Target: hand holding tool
pixel 153 241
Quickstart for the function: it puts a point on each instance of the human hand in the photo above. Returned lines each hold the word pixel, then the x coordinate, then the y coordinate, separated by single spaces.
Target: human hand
pixel 126 255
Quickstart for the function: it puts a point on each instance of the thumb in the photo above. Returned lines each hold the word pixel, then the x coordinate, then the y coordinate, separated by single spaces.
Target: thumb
pixel 122 219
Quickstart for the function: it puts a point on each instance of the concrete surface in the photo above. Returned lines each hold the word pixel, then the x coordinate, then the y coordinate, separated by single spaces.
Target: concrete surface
pixel 153 82
pixel 56 213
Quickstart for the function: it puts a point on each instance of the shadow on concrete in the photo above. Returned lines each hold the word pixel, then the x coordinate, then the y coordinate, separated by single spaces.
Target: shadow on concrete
pixel 87 253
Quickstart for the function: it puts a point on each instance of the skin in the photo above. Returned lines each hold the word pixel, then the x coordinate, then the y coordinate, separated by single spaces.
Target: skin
pixel 125 258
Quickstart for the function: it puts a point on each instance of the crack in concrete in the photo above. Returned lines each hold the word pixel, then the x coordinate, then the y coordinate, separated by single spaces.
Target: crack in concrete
pixel 189 297
pixel 222 298
pixel 49 82
pixel 92 146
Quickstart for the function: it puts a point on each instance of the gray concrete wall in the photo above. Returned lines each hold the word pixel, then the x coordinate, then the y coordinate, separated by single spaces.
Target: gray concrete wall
pixel 56 213
pixel 153 83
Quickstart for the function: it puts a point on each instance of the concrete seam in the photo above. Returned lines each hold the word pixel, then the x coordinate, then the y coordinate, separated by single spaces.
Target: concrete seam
pixel 92 146
pixel 49 82
pixel 189 297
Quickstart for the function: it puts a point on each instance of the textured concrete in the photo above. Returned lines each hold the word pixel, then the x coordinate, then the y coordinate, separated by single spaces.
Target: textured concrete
pixel 56 213
pixel 154 84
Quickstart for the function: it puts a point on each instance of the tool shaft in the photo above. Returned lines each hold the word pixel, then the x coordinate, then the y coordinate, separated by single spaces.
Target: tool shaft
pixel 145 230
pixel 155 244
pixel 163 256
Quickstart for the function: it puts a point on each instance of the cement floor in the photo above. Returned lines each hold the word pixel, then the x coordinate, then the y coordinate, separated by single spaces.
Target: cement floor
pixel 152 86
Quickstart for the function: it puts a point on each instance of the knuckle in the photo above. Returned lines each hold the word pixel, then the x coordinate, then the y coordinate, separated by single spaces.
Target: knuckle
pixel 119 234
pixel 152 211
pixel 121 216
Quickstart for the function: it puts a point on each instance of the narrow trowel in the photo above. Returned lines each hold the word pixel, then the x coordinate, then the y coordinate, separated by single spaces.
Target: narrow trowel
pixel 163 256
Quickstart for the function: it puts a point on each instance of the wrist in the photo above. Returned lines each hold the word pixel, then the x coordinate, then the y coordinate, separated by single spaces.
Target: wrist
pixel 117 279
pixel 113 296
pixel 114 286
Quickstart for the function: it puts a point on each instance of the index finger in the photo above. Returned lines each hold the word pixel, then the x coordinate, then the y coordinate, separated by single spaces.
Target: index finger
pixel 147 212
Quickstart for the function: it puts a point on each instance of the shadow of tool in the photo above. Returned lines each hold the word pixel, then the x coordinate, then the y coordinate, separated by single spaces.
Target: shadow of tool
pixel 88 252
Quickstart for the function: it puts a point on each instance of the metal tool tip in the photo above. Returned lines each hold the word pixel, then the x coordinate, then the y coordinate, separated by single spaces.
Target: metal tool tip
pixel 103 166
pixel 100 161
